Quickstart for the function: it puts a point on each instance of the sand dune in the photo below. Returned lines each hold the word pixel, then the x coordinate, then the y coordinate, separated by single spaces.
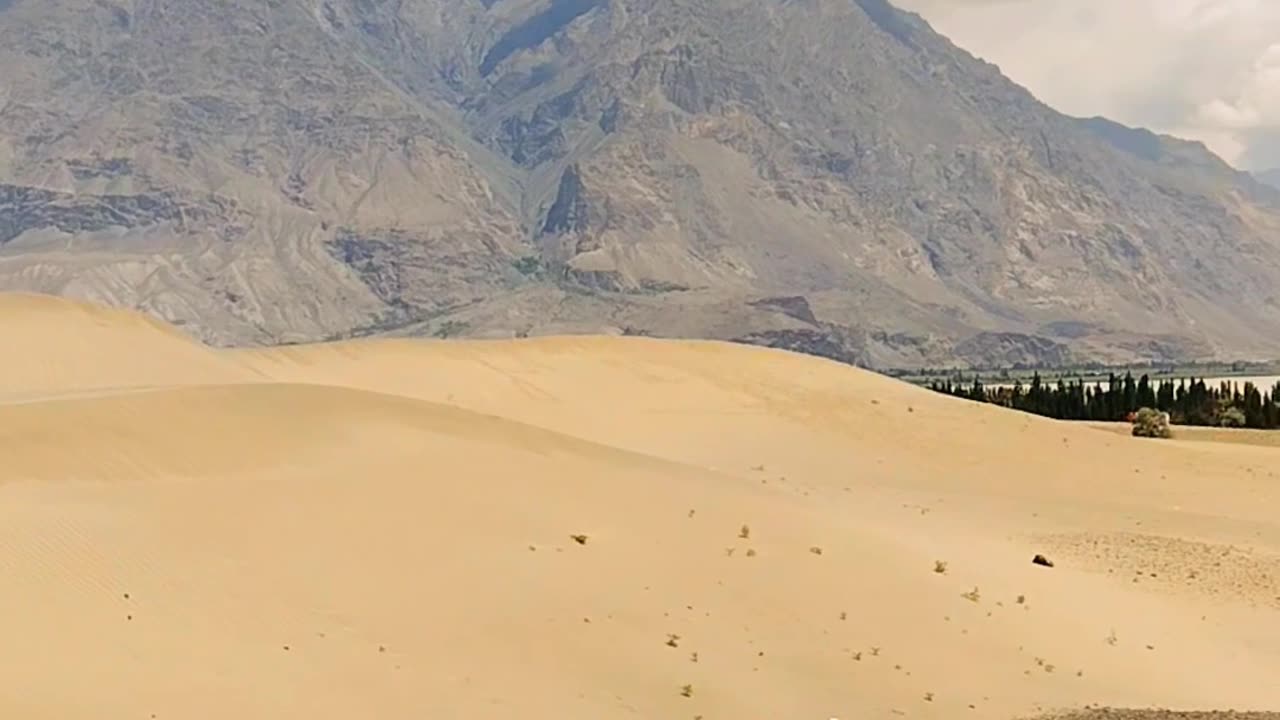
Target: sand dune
pixel 58 346
pixel 385 529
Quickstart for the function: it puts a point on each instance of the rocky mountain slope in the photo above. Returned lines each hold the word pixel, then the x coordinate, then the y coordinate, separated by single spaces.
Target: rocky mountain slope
pixel 825 175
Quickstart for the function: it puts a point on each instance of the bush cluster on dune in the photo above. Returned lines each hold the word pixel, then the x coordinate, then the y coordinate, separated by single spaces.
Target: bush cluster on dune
pixel 1151 423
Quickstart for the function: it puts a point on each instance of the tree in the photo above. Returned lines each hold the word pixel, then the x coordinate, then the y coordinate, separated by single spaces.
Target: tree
pixel 1129 401
pixel 977 392
pixel 1251 404
pixel 1186 402
pixel 1146 396
pixel 1165 396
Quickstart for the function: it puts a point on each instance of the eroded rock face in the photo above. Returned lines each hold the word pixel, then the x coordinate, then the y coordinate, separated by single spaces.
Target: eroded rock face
pixel 283 172
pixel 24 209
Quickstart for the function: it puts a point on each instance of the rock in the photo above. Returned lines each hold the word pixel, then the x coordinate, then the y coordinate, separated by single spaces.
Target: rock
pixel 534 174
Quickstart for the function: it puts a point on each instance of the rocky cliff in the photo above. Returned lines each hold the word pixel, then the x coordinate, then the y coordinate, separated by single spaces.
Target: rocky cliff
pixel 826 175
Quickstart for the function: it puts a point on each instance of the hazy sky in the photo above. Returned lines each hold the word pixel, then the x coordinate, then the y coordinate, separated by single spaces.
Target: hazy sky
pixel 1202 69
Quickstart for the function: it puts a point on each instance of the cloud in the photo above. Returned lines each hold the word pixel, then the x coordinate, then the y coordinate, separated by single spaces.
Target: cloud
pixel 1203 69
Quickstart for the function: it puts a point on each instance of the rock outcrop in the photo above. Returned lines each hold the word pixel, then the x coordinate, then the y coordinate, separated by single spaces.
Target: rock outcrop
pixel 826 175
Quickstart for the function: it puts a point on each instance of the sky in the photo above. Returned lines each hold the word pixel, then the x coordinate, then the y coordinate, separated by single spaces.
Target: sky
pixel 1206 70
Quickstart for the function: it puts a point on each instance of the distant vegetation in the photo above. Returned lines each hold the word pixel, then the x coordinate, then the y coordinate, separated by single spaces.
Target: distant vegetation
pixel 1088 372
pixel 1188 402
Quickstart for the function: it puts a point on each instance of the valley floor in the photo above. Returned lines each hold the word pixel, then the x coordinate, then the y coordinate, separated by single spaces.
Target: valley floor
pixel 598 528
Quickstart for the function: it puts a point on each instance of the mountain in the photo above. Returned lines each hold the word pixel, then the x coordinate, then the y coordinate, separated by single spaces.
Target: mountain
pixel 830 176
pixel 1270 177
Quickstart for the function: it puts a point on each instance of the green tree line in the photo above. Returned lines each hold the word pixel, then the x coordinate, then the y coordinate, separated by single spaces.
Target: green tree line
pixel 1188 401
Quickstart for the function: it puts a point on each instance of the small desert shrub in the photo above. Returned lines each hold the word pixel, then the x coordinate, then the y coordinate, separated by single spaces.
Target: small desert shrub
pixel 529 266
pixel 451 328
pixel 1151 424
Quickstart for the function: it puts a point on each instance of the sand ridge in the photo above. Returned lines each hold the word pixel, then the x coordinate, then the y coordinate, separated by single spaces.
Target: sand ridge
pixel 56 346
pixel 596 528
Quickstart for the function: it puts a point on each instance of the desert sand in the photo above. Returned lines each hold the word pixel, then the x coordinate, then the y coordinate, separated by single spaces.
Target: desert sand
pixel 596 528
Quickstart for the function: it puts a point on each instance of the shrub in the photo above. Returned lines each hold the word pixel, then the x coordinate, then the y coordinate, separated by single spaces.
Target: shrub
pixel 529 266
pixel 1232 417
pixel 1152 424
